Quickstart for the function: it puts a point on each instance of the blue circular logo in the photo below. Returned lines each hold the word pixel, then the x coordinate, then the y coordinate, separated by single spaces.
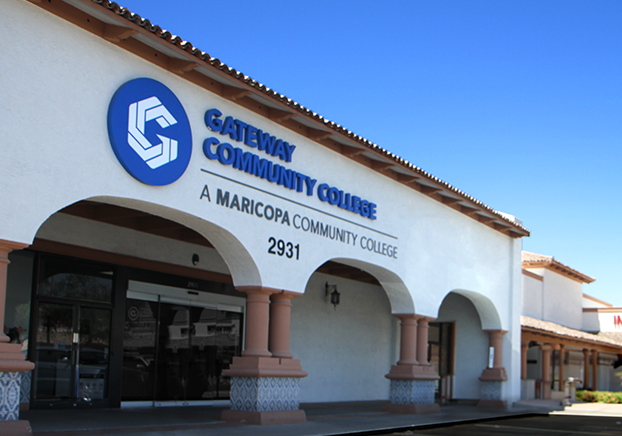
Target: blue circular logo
pixel 149 132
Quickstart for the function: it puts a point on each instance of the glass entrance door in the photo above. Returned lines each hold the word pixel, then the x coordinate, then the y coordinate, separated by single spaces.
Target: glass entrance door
pixel 176 352
pixel 72 334
pixel 72 354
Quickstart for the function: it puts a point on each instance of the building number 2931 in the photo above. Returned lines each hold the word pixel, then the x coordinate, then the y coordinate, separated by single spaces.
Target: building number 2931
pixel 281 248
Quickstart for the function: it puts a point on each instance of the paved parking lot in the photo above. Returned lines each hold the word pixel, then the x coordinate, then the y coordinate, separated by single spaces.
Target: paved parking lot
pixel 551 425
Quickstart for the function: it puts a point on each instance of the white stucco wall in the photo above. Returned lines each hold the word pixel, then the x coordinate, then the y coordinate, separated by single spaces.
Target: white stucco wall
pixel 54 115
pixel 591 302
pixel 556 298
pixel 532 297
pixel 591 322
pixel 346 350
pixel 562 300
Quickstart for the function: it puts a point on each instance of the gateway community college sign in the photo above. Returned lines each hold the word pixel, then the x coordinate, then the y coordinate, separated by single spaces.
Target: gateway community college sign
pixel 150 134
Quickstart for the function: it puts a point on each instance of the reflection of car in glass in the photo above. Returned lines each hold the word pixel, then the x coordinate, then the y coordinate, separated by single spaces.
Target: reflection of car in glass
pixel 53 372
pixel 54 368
pixel 92 374
pixel 136 376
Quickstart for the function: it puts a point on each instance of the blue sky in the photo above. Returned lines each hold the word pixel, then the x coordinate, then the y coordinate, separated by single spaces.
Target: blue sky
pixel 517 103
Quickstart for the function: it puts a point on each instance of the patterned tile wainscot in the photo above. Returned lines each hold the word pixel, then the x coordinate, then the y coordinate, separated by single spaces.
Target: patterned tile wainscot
pixel 264 394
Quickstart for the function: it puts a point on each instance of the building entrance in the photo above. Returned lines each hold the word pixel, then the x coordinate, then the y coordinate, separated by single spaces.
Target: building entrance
pixel 72 336
pixel 176 344
pixel 441 356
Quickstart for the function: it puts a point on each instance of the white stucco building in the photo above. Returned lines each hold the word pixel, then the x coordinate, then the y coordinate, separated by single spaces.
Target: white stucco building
pixel 178 232
pixel 566 333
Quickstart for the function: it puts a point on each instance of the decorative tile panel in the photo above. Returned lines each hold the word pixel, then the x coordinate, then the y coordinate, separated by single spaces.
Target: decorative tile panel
pixel 412 392
pixel 264 394
pixel 491 390
pixel 9 395
pixel 24 394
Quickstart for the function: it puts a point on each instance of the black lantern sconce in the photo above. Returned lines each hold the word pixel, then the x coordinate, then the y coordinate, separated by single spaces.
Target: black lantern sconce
pixel 195 259
pixel 331 290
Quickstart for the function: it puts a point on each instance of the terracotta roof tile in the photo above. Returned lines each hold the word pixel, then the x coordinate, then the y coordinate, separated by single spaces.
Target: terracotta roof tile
pixel 551 327
pixel 189 47
pixel 532 260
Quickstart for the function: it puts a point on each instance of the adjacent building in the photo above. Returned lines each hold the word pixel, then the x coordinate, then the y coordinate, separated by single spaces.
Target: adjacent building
pixel 566 334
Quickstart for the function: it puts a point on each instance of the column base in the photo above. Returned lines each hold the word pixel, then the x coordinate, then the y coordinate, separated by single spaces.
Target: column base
pixel 264 418
pixel 9 396
pixel 265 391
pixel 15 428
pixel 413 409
pixel 412 396
pixel 247 366
pixel 412 372
pixel 491 394
pixel 493 374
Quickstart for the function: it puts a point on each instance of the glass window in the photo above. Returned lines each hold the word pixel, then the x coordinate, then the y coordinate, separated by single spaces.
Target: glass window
pixel 66 278
pixel 18 295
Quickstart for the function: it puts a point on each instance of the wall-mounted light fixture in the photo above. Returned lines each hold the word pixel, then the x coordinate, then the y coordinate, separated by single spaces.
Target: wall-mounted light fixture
pixel 331 290
pixel 195 259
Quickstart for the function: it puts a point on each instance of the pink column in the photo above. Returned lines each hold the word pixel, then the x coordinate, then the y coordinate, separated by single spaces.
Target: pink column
pixel 5 248
pixel 412 379
pixel 524 347
pixel 422 340
pixel 12 361
pixel 257 360
pixel 408 339
pixel 496 341
pixel 562 353
pixel 546 370
pixel 594 370
pixel 257 320
pixel 413 363
pixel 280 317
pixel 586 368
pixel 497 372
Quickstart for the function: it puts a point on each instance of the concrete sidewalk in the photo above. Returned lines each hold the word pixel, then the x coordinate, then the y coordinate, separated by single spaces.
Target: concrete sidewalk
pixel 324 419
pixel 591 409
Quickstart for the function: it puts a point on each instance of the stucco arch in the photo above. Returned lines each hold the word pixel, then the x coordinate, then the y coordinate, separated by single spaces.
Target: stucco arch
pixel 488 314
pixel 399 296
pixel 240 263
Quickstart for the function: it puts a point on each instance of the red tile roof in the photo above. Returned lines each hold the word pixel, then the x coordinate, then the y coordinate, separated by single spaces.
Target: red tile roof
pixel 499 221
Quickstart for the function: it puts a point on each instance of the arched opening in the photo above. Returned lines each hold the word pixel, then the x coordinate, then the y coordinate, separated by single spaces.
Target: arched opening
pixel 463 352
pixel 127 302
pixel 347 348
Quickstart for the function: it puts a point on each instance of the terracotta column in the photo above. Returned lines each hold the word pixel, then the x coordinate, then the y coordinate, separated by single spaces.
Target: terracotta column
pixel 413 378
pixel 586 368
pixel 524 347
pixel 562 354
pixel 496 341
pixel 497 372
pixel 546 370
pixel 265 383
pixel 257 320
pixel 594 370
pixel 280 316
pixel 5 248
pixel 408 339
pixel 492 378
pixel 12 361
pixel 422 340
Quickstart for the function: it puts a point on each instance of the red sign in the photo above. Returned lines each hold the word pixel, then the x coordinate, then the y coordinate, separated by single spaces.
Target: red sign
pixel 617 321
